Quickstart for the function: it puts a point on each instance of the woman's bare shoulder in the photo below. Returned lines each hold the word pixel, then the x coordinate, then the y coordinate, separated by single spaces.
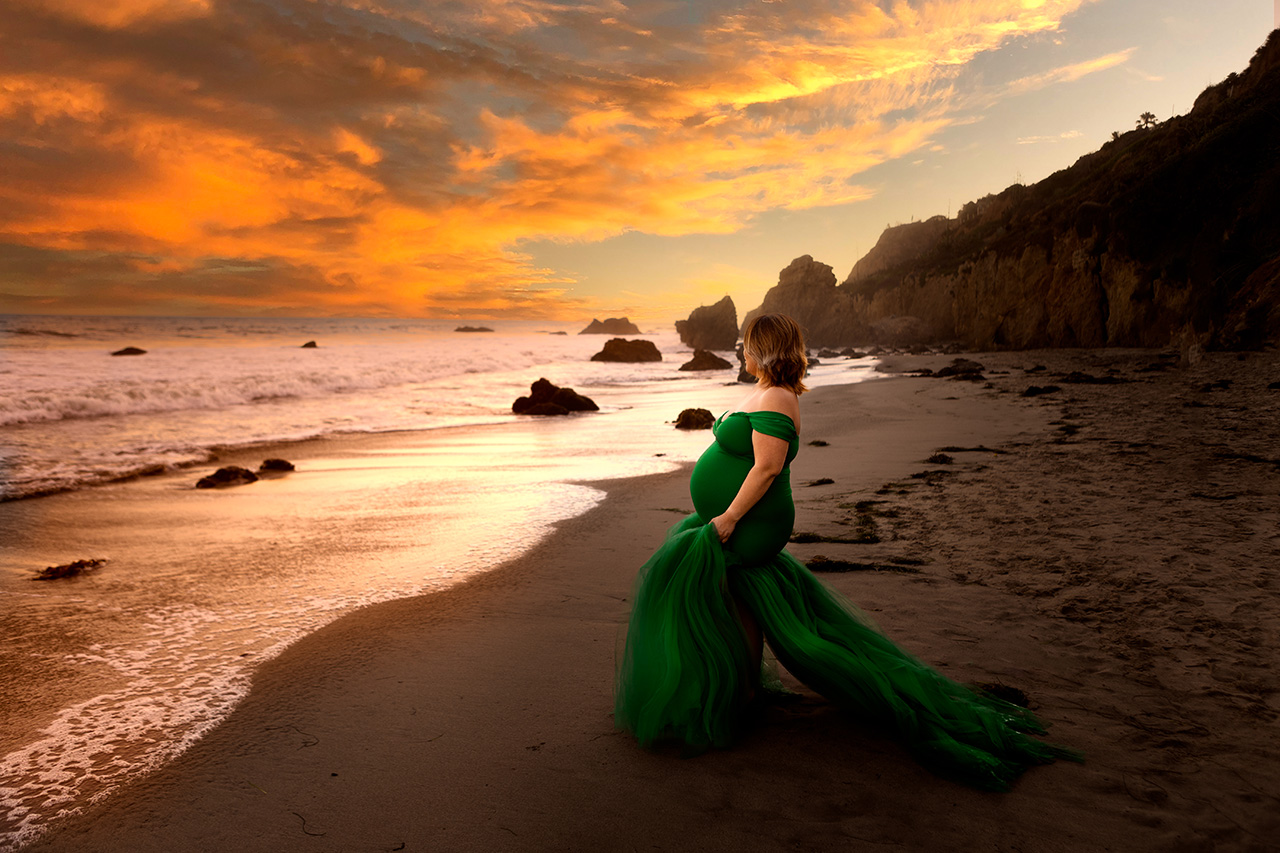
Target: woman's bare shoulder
pixel 781 400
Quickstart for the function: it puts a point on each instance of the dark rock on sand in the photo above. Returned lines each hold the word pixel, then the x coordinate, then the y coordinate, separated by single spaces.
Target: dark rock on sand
pixel 1037 390
pixel 959 367
pixel 68 570
pixel 232 475
pixel 309 345
pixel 546 398
pixel 710 326
pixel 473 329
pixel 611 326
pixel 545 409
pixel 940 459
pixel 276 465
pixel 695 419
pixel 621 349
pixel 1274 386
pixel 1075 377
pixel 704 360
pixel 130 351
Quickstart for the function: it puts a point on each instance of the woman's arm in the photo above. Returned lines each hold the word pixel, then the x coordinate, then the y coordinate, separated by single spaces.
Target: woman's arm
pixel 770 458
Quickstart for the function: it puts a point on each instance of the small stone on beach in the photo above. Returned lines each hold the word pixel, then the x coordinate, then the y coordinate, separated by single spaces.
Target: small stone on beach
pixel 1037 390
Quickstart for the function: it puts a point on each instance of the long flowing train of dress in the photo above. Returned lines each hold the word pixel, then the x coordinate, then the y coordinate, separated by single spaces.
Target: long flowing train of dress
pixel 686 669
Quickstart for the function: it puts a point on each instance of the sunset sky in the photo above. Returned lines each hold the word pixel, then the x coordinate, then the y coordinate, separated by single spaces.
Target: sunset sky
pixel 525 158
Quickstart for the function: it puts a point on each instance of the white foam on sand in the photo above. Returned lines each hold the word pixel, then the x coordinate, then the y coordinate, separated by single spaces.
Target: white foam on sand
pixel 187 666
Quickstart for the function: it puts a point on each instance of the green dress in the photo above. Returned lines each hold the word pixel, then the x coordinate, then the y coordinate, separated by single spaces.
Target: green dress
pixel 686 670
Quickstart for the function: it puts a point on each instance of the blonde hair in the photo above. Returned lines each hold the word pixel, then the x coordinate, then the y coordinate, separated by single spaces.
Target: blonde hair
pixel 776 344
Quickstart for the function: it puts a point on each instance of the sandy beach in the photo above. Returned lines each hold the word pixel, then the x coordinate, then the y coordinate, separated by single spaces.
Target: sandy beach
pixel 1110 548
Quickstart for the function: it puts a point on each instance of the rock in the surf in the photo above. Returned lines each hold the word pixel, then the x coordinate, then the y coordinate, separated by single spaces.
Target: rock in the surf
pixel 275 465
pixel 743 375
pixel 705 360
pixel 309 345
pixel 710 326
pixel 232 475
pixel 611 326
pixel 621 349
pixel 695 419
pixel 547 398
pixel 67 570
pixel 130 351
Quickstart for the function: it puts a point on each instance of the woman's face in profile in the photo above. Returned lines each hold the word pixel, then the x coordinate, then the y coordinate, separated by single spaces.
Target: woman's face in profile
pixel 752 366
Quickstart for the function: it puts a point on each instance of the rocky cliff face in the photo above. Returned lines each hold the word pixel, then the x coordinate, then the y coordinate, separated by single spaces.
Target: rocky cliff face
pixel 807 291
pixel 1170 234
pixel 902 244
pixel 711 327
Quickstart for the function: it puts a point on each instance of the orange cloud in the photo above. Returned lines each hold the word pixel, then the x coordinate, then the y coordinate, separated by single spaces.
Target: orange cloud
pixel 373 158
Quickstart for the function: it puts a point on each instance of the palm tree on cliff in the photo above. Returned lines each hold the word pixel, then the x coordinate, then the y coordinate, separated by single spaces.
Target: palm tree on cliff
pixel 1146 120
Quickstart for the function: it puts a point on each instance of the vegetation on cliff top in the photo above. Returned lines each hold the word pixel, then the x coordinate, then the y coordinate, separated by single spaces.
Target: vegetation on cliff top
pixel 1173 229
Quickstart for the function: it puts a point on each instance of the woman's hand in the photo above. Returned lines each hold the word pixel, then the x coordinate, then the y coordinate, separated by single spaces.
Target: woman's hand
pixel 724 526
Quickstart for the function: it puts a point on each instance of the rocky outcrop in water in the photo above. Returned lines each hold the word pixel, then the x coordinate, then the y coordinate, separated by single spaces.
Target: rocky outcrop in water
pixel 1167 235
pixel 611 326
pixel 703 360
pixel 130 351
pixel 710 326
pixel 473 329
pixel 621 349
pixel 546 398
pixel 695 419
pixel 279 466
pixel 309 345
pixel 232 475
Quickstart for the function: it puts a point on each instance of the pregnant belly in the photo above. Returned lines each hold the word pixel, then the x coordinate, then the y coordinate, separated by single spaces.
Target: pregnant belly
pixel 766 527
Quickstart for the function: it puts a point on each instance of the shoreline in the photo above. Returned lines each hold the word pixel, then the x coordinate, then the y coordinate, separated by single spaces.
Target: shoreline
pixel 478 717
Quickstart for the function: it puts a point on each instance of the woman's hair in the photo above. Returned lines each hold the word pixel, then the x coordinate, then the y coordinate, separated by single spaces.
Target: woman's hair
pixel 776 344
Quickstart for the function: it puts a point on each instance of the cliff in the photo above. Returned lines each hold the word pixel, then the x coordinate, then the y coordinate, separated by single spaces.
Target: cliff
pixel 1170 233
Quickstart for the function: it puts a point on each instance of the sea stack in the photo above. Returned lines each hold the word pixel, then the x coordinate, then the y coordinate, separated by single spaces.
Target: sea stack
pixel 611 326
pixel 621 349
pixel 710 327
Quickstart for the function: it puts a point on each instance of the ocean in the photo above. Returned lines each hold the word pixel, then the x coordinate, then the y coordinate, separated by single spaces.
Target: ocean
pixel 408 459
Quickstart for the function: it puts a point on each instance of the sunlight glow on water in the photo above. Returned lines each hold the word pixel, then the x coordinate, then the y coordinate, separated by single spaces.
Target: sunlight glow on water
pixel 112 673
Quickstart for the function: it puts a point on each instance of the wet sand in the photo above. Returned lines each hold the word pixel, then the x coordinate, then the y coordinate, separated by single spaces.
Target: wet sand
pixel 1116 561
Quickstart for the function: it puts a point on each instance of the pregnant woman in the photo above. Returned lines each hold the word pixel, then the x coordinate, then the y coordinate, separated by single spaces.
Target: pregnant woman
pixel 722 579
